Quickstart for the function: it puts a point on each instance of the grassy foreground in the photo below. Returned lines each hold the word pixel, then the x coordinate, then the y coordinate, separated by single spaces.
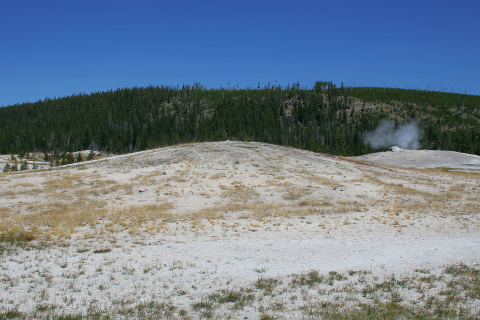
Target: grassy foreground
pixel 451 293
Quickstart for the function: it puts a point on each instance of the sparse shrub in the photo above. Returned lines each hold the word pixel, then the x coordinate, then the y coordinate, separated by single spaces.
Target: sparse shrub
pixel 226 296
pixel 155 309
pixel 335 276
pixel 105 250
pixel 11 314
pixel 206 305
pixel 267 284
pixel 7 168
pixel 308 279
pixel 456 270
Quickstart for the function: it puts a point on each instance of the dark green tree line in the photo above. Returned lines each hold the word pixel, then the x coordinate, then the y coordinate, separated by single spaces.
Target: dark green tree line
pixel 325 118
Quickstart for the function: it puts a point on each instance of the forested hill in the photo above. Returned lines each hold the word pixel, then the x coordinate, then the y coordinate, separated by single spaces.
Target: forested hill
pixel 326 118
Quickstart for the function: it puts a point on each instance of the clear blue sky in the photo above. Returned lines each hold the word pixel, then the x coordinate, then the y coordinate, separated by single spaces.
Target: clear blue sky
pixel 58 48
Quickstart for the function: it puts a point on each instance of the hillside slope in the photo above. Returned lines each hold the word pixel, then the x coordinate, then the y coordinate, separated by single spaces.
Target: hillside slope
pixel 236 229
pixel 324 118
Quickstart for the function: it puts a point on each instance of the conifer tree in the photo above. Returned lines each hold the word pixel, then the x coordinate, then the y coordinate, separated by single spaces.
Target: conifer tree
pixel 24 166
pixel 322 119
pixel 70 158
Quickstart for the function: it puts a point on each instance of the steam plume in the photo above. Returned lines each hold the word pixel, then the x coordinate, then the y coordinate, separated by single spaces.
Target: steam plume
pixel 407 136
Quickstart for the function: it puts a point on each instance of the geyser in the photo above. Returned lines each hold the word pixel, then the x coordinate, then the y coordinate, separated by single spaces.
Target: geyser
pixel 407 136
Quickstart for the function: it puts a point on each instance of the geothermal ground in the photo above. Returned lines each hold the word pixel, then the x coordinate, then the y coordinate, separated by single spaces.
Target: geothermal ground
pixel 243 231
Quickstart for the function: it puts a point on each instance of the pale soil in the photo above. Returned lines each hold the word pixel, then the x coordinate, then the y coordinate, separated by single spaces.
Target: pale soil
pixel 426 159
pixel 179 223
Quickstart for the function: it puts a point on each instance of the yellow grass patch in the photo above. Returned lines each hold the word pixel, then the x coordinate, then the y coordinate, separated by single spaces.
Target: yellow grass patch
pixel 139 214
pixel 239 192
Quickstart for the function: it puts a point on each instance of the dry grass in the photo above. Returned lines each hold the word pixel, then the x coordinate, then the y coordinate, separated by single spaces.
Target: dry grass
pixel 140 214
pixel 59 219
pixel 315 203
pixel 324 181
pixel 296 194
pixel 400 189
pixel 153 175
pixel 66 199
pixel 278 183
pixel 24 185
pixel 8 194
pixel 5 212
pixel 56 218
pixel 417 199
pixel 217 211
pixel 217 176
pixel 261 210
pixel 127 188
pixel 244 210
pixel 347 206
pixel 178 179
pixel 468 208
pixel 62 182
pixel 239 192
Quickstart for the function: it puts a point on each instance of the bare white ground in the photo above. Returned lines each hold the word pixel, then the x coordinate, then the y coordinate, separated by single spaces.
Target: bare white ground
pixel 77 280
pixel 425 159
pixel 221 215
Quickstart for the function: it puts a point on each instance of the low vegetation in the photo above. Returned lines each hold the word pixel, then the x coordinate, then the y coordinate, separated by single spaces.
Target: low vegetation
pixel 451 293
pixel 124 197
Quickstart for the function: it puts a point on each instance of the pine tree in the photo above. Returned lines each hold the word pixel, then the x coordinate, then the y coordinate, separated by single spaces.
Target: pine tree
pixel 70 158
pixel 6 168
pixel 79 157
pixel 24 166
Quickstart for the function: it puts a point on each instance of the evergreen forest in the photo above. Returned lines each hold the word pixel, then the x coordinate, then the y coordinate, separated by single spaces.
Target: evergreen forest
pixel 325 118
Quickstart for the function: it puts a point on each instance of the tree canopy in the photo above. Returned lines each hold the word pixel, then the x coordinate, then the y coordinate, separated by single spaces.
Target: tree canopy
pixel 324 118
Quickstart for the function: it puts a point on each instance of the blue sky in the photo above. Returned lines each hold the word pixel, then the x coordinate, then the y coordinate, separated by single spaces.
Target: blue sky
pixel 58 48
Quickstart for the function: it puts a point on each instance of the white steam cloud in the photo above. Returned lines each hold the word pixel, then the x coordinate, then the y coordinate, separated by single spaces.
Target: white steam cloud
pixel 407 136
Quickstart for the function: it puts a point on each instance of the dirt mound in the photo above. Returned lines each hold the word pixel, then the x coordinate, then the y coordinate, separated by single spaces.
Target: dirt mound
pixel 425 159
pixel 203 228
